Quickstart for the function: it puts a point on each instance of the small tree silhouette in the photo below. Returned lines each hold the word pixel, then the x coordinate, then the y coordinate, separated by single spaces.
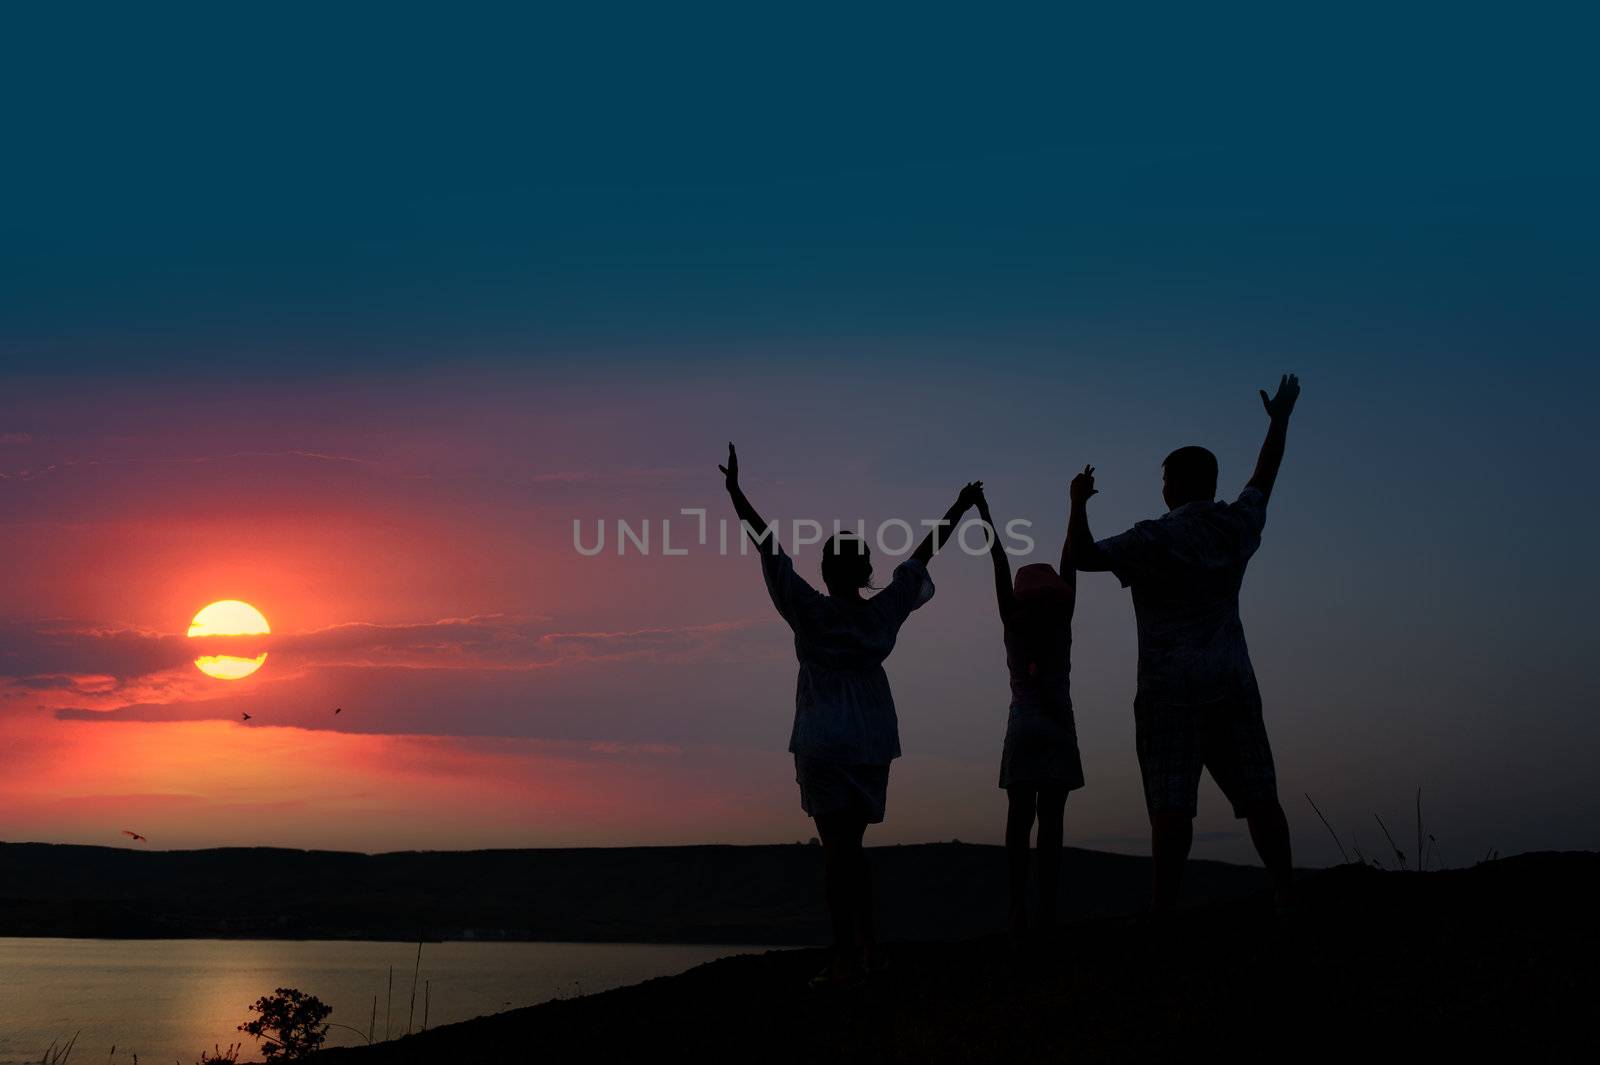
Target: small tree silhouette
pixel 297 1023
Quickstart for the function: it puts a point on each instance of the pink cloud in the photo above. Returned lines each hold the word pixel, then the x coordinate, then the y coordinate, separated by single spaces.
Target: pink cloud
pixel 212 783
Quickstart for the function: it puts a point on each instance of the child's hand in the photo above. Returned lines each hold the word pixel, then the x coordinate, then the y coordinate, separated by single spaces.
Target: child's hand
pixel 1082 486
pixel 971 495
pixel 730 472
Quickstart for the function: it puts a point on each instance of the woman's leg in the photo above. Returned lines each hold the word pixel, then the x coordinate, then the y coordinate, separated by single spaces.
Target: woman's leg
pixel 1019 827
pixel 1052 803
pixel 843 871
pixel 866 933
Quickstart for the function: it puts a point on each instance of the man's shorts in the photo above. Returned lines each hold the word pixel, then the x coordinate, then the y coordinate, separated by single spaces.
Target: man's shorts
pixel 1229 738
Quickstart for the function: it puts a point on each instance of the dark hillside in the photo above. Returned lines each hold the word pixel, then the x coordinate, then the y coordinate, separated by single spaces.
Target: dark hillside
pixel 1496 961
pixel 711 894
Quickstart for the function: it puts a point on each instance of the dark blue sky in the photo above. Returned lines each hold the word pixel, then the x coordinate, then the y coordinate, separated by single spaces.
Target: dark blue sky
pixel 899 249
pixel 203 187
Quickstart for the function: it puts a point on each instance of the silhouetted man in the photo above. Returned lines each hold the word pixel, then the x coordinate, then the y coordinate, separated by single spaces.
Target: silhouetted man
pixel 1197 703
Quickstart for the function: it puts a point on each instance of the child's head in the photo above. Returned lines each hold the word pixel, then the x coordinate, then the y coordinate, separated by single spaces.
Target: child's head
pixel 846 566
pixel 1041 595
pixel 1043 611
pixel 1188 475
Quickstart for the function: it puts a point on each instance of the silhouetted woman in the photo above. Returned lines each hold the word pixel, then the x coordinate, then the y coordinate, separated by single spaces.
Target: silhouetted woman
pixel 1040 762
pixel 845 731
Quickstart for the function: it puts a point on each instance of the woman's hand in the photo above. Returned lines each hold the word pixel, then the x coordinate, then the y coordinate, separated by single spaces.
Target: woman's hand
pixel 730 472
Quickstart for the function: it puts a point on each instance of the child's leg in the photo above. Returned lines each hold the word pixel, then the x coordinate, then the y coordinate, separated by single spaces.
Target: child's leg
pixel 1052 803
pixel 1019 829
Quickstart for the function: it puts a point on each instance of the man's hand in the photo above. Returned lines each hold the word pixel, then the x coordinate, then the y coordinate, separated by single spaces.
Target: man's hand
pixel 730 472
pixel 1280 406
pixel 1082 486
pixel 1080 554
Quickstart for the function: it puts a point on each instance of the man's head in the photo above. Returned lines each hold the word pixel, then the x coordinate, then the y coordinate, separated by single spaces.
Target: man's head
pixel 846 566
pixel 1188 474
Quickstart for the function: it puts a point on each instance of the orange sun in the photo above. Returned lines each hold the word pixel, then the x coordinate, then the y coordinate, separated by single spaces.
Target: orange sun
pixel 229 617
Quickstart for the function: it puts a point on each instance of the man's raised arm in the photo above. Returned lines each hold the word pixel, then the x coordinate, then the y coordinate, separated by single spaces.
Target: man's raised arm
pixel 1279 407
pixel 1079 552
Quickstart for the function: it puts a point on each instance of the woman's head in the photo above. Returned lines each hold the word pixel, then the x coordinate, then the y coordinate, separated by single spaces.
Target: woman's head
pixel 846 566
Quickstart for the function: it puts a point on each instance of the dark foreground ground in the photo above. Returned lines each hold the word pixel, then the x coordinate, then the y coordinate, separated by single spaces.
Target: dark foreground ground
pixel 1499 959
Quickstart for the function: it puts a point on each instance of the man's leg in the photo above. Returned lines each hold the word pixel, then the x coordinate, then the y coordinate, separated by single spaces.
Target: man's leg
pixel 1171 833
pixel 1240 758
pixel 1269 831
pixel 1170 760
pixel 1019 829
pixel 1052 803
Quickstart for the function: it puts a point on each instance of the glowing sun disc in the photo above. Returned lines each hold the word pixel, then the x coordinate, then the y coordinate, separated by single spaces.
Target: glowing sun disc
pixel 229 617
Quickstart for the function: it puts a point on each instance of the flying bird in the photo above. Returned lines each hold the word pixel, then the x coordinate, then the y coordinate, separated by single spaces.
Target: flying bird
pixel 244 717
pixel 134 836
pixel 338 710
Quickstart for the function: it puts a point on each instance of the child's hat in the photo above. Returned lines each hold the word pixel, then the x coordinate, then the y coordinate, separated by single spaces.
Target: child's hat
pixel 1040 579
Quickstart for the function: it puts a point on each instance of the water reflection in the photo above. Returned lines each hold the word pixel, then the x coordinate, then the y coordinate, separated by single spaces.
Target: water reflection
pixel 168 999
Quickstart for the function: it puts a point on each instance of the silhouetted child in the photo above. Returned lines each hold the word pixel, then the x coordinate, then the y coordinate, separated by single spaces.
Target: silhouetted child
pixel 1039 763
pixel 1198 705
pixel 845 730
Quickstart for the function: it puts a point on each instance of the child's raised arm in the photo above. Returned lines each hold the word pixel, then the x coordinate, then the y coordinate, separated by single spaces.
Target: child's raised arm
pixel 1003 595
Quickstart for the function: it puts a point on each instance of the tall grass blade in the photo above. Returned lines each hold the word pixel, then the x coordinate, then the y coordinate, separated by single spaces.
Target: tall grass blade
pixel 1342 855
pixel 1399 855
pixel 412 1012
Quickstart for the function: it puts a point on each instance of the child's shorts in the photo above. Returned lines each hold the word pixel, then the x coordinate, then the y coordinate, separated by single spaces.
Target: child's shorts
pixel 1041 751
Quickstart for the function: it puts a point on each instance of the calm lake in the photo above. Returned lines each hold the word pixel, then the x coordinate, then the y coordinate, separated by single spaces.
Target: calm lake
pixel 168 999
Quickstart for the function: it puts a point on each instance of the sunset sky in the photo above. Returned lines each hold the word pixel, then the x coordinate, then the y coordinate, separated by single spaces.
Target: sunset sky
pixel 351 317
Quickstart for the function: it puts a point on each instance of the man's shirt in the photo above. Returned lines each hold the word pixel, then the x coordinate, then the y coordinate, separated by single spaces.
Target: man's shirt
pixel 1184 570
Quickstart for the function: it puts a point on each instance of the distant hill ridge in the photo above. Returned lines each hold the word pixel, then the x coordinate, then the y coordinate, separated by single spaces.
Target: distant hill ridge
pixel 694 894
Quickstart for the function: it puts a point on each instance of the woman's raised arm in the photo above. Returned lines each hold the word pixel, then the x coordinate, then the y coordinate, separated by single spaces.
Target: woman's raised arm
pixel 941 532
pixel 755 526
